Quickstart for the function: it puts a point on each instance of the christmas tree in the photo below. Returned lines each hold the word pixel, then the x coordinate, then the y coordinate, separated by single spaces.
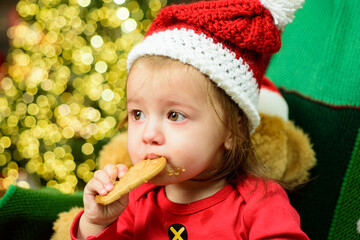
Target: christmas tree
pixel 63 93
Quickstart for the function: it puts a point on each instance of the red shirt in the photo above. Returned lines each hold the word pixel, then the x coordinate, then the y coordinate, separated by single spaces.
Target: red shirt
pixel 241 212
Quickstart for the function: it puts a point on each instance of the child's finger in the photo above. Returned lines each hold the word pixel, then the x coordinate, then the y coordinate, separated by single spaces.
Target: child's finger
pixel 111 170
pixel 105 178
pixel 99 187
pixel 121 170
pixel 95 186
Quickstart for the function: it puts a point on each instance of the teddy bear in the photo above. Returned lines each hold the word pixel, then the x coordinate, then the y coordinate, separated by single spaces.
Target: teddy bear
pixel 284 149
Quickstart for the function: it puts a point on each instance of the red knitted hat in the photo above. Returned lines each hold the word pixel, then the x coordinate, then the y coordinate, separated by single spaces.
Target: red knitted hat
pixel 231 41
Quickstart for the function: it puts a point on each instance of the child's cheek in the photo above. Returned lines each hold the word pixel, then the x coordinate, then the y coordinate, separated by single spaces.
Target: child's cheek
pixel 133 154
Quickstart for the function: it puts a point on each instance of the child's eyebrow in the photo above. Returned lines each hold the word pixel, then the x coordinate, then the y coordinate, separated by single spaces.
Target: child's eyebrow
pixel 131 103
pixel 131 100
pixel 169 102
pixel 175 103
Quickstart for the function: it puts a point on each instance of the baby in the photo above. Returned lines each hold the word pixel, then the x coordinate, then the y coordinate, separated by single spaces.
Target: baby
pixel 192 93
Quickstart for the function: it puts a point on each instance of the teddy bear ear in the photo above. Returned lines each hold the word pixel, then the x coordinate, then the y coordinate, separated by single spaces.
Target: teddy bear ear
pixel 271 101
pixel 300 155
pixel 284 148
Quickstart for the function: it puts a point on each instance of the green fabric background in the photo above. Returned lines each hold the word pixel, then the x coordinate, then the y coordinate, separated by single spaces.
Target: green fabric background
pixel 318 72
pixel 320 52
pixel 28 214
pixel 332 132
pixel 348 209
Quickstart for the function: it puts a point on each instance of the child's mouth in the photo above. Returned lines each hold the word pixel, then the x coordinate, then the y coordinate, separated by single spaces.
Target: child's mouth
pixel 151 156
pixel 169 170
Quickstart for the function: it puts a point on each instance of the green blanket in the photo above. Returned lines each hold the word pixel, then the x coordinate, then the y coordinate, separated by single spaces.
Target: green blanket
pixel 29 213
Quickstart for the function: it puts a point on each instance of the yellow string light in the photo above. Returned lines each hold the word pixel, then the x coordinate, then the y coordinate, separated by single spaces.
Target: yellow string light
pixel 64 91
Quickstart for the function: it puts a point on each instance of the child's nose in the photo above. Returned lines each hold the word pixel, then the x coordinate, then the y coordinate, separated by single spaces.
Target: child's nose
pixel 153 134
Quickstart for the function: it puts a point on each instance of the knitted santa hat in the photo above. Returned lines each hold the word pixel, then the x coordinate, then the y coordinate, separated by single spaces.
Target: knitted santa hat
pixel 230 41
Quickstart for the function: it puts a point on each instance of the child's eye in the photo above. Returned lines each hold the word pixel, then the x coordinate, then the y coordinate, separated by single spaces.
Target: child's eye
pixel 138 115
pixel 176 117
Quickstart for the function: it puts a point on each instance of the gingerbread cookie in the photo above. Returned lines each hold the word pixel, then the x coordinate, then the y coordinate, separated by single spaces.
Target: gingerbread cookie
pixel 138 174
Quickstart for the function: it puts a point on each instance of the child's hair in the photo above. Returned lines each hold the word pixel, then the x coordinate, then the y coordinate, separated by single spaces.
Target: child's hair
pixel 240 161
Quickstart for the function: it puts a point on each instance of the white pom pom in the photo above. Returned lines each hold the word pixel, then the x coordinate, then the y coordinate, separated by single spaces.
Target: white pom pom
pixel 272 103
pixel 282 10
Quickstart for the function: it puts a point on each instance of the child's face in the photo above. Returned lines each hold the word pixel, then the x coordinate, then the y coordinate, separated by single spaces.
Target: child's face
pixel 169 115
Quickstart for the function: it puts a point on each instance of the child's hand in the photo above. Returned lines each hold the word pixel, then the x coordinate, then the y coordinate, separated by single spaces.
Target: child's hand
pixel 97 217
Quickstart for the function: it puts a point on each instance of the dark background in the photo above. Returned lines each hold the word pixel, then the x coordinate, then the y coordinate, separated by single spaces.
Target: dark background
pixel 7 18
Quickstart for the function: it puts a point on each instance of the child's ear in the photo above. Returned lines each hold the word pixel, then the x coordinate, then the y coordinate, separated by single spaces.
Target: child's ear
pixel 229 138
pixel 228 143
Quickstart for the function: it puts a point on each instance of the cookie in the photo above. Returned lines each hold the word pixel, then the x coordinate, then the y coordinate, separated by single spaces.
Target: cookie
pixel 138 174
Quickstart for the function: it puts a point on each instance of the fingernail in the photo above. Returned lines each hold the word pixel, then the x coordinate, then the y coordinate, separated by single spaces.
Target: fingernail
pixel 109 187
pixel 103 192
pixel 121 174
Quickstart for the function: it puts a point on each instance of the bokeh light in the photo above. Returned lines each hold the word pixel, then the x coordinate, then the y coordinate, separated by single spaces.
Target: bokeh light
pixel 64 91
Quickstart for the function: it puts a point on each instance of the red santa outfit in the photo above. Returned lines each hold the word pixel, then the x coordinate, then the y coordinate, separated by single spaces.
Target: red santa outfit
pixel 254 209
